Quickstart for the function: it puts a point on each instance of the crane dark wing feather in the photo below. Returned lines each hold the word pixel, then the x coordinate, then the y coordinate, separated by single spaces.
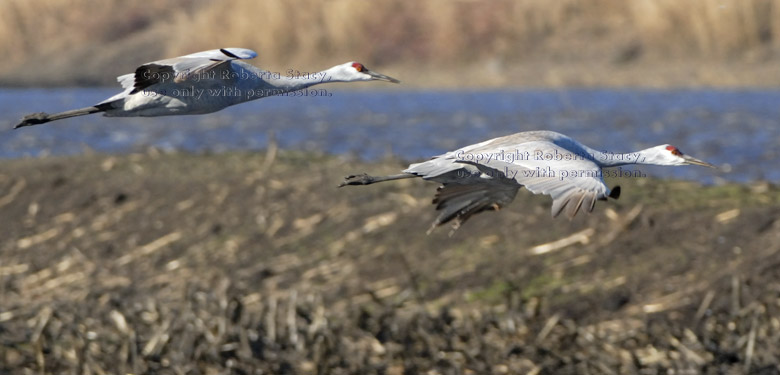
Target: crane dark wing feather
pixel 573 202
pixel 590 202
pixel 180 69
pixel 461 201
pixel 151 74
pixel 569 193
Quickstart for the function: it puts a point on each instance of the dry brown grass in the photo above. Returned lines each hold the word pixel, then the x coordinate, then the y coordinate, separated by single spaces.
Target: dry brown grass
pixel 445 34
pixel 35 28
pixel 723 28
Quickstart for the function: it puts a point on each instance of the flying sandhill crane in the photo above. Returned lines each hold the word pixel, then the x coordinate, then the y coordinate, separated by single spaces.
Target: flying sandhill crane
pixel 486 176
pixel 204 82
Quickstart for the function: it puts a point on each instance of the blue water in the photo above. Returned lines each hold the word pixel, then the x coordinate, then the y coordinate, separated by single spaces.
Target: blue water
pixel 737 130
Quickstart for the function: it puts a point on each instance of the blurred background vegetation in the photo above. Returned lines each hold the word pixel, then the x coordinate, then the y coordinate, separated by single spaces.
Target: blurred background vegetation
pixel 253 262
pixel 433 43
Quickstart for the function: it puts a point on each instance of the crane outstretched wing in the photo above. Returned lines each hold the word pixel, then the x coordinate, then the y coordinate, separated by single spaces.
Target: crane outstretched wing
pixel 183 68
pixel 570 192
pixel 459 202
pixel 573 182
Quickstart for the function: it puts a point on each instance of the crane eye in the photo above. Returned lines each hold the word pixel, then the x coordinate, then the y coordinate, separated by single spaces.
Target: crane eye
pixel 358 66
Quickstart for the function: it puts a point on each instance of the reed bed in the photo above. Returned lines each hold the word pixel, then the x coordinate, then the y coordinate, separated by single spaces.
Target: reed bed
pixel 442 34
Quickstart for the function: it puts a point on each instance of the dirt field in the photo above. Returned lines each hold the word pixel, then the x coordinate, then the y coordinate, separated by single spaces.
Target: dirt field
pixel 242 263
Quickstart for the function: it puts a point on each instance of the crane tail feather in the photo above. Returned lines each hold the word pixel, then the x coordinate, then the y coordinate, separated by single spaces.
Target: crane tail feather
pixel 573 202
pixel 589 203
pixel 615 193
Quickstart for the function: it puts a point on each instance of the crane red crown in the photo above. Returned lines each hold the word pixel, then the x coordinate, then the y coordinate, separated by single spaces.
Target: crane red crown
pixel 358 66
pixel 674 150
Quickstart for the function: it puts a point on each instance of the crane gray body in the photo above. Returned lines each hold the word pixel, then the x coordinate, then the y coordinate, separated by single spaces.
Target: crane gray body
pixel 201 83
pixel 487 175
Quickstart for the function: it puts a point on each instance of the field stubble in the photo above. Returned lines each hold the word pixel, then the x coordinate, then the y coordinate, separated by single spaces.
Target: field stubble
pixel 180 263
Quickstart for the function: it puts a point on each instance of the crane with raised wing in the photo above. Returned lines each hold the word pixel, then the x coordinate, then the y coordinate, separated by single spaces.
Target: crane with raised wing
pixel 204 82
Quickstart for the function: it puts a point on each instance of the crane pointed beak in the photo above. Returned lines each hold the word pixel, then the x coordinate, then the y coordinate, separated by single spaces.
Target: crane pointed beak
pixel 693 161
pixel 380 77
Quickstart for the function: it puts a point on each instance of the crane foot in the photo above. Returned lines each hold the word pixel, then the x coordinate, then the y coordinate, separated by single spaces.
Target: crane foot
pixel 357 179
pixel 33 119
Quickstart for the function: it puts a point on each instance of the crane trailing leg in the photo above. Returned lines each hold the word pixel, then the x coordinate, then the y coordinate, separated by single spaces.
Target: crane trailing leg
pixel 456 202
pixel 43 117
pixel 364 179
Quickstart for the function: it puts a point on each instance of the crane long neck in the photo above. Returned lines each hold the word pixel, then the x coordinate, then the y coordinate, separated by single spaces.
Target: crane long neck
pixel 293 81
pixel 263 83
pixel 614 159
